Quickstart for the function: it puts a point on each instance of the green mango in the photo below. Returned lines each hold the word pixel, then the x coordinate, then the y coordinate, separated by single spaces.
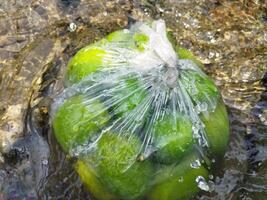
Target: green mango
pixel 124 36
pixel 75 123
pixel 94 57
pixel 200 87
pixel 172 137
pixel 116 162
pixel 217 129
pixel 127 39
pixel 88 60
pixel 89 177
pixel 132 93
pixel 177 182
pixel 203 91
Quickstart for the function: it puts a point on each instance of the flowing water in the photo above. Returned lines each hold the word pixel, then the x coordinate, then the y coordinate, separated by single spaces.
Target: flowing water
pixel 37 38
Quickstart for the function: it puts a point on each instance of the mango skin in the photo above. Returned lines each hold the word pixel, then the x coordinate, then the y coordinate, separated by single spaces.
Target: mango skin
pixel 93 58
pixel 115 160
pixel 217 129
pixel 124 38
pixel 177 182
pixel 172 138
pixel 200 87
pixel 88 60
pixel 128 104
pixel 75 123
pixel 89 177
pixel 215 118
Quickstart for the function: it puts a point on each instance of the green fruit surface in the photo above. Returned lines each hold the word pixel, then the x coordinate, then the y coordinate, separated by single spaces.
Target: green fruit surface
pixel 217 129
pixel 116 163
pixel 172 137
pixel 132 93
pixel 75 123
pixel 93 58
pixel 88 60
pixel 177 182
pixel 200 88
pixel 89 177
pixel 124 36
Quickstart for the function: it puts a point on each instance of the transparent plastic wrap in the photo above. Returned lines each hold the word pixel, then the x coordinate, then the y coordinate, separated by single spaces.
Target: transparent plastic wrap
pixel 142 119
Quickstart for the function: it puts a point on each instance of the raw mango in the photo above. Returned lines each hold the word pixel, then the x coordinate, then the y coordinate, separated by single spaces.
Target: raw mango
pixel 178 182
pixel 212 110
pixel 75 123
pixel 123 36
pixel 172 137
pixel 90 179
pixel 116 162
pixel 217 129
pixel 88 60
pixel 200 88
pixel 96 56
pixel 131 94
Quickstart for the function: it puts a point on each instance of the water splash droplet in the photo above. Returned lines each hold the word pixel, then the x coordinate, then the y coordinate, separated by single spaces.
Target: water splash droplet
pixel 72 27
pixel 44 162
pixel 196 164
pixel 202 184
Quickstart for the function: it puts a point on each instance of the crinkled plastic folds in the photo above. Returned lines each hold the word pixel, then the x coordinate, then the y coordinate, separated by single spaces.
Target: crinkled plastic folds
pixel 140 116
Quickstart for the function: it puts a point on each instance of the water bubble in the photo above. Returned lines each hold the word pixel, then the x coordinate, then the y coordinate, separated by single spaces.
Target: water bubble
pixel 210 176
pixel 202 184
pixel 211 54
pixel 105 13
pixel 72 27
pixel 44 162
pixel 196 164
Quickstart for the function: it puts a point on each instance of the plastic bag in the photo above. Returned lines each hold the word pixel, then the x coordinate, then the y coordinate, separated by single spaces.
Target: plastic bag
pixel 142 119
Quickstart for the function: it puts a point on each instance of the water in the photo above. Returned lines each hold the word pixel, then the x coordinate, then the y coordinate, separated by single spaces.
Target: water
pixel 37 38
pixel 202 184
